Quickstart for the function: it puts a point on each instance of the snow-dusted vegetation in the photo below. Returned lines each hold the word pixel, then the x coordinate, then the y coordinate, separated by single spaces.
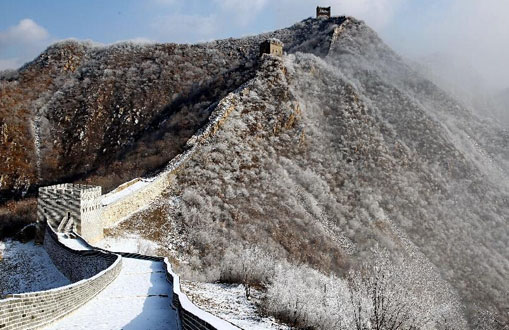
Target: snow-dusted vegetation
pixel 107 114
pixel 104 115
pixel 344 189
pixel 344 182
pixel 229 302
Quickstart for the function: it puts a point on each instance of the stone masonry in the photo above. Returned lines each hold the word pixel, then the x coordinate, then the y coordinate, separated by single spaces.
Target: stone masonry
pixel 35 309
pixel 68 207
pixel 271 46
pixel 323 12
pixel 115 212
pixel 120 209
pixel 76 265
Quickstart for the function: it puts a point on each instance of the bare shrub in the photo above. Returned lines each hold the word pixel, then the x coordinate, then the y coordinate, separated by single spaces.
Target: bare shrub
pixel 486 320
pixel 15 215
pixel 379 304
pixel 250 266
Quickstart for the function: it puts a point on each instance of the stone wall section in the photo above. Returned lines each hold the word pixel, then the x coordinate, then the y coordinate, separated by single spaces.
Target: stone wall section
pixel 58 203
pixel 35 309
pixel 117 211
pixel 190 317
pixel 91 215
pixel 72 207
pixel 76 265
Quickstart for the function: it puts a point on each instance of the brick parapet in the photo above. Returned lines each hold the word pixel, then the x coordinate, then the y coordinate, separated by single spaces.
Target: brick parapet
pixel 76 265
pixel 189 315
pixel 33 310
pixel 116 211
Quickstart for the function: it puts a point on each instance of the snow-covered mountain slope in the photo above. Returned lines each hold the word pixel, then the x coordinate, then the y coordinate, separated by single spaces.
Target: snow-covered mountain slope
pixel 326 161
pixel 340 176
pixel 108 114
pixel 456 209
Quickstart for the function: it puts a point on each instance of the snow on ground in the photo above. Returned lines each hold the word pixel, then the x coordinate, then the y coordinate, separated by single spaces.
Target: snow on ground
pixel 130 243
pixel 73 243
pixel 229 302
pixel 26 268
pixel 139 298
pixel 225 301
pixel 115 196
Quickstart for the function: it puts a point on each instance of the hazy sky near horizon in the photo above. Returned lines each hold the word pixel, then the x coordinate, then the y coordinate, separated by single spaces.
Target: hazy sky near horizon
pixel 470 34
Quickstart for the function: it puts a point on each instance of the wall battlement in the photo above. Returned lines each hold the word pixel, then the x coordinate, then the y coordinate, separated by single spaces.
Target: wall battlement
pixel 72 207
pixel 90 272
pixel 271 46
pixel 71 187
pixel 322 12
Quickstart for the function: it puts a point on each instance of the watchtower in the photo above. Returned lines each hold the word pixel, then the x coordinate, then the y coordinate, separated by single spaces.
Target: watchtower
pixel 322 12
pixel 69 207
pixel 271 46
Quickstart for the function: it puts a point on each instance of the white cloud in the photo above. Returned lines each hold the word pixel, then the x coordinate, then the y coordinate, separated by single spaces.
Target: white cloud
pixel 376 13
pixel 477 33
pixel 21 43
pixel 243 12
pixel 10 63
pixel 469 35
pixel 25 32
pixel 164 3
pixel 137 40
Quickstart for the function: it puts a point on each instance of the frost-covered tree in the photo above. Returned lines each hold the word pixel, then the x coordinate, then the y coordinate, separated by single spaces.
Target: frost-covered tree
pixel 324 159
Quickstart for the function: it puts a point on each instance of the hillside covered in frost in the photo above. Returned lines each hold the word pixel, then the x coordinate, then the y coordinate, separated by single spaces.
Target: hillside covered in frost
pixel 343 187
pixel 349 178
pixel 107 114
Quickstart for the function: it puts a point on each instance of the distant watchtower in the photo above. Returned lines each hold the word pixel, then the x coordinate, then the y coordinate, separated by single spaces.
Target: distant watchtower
pixel 323 12
pixel 271 46
pixel 69 207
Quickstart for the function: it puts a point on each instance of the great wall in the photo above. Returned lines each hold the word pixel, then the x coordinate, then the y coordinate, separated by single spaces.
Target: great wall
pixel 92 270
pixel 36 309
pixel 115 208
pixel 82 213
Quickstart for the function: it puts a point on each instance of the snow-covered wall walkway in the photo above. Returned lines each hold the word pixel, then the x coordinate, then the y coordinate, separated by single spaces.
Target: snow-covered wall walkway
pixel 35 309
pixel 188 315
pixel 134 292
pixel 139 298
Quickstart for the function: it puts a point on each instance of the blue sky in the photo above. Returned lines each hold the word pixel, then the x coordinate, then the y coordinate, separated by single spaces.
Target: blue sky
pixel 471 31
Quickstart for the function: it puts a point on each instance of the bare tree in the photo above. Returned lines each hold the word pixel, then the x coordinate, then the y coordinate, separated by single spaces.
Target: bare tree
pixel 486 320
pixel 379 304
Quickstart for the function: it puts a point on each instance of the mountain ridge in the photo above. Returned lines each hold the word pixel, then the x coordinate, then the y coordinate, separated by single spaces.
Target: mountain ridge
pixel 140 86
pixel 336 157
